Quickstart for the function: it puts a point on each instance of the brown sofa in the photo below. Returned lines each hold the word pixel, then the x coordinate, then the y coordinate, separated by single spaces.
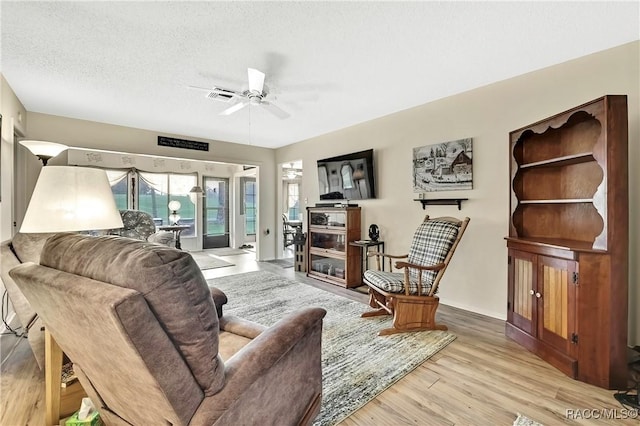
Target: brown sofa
pixel 24 248
pixel 141 327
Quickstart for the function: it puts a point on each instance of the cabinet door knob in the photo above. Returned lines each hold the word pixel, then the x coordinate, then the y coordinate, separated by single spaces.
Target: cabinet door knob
pixel 538 295
pixel 531 292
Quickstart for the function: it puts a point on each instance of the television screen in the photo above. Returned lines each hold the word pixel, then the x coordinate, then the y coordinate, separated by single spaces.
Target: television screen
pixel 347 177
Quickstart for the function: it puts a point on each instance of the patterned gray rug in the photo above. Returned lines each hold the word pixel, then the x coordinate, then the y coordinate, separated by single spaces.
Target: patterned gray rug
pixel 525 421
pixel 357 364
pixel 206 261
pixel 227 251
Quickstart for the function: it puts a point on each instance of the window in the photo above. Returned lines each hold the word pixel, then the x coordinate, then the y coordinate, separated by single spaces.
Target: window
pixel 293 201
pixel 250 210
pixel 118 179
pixel 155 190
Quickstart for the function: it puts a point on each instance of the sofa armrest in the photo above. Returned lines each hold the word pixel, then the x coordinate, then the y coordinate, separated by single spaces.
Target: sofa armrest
pixel 9 260
pixel 241 326
pixel 277 374
pixel 219 299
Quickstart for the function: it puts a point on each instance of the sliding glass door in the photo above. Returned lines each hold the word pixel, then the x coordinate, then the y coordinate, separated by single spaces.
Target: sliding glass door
pixel 216 213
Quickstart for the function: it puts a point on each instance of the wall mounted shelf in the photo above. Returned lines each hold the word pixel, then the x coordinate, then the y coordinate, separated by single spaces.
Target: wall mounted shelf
pixel 441 202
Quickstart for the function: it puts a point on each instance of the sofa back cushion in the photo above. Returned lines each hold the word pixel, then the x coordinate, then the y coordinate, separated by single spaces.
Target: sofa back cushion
pixel 169 280
pixel 27 247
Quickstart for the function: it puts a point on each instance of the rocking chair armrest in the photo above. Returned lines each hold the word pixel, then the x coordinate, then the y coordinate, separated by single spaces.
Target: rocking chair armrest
pixel 392 256
pixel 379 256
pixel 436 267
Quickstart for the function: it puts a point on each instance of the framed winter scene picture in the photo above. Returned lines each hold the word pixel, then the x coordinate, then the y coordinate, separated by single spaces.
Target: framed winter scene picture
pixel 445 166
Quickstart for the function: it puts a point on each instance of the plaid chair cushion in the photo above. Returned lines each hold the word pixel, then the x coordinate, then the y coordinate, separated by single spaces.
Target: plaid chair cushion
pixel 393 282
pixel 431 243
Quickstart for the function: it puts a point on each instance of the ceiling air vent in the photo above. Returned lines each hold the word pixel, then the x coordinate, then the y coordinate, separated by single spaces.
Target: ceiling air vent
pixel 220 95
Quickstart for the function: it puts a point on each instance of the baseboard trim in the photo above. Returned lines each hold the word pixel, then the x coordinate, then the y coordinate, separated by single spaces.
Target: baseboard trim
pixel 500 316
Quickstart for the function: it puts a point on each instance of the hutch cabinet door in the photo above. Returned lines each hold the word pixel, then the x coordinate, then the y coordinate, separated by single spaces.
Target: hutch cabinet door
pixel 521 310
pixel 556 295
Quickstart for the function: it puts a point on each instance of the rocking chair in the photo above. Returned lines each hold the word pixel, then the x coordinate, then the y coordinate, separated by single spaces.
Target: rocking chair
pixel 410 295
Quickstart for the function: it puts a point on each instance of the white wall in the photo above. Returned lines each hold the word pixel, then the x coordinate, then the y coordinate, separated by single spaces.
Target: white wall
pixel 13 121
pixel 477 277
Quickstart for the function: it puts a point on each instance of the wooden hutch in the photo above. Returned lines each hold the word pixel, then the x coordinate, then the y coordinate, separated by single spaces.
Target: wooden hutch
pixel 568 241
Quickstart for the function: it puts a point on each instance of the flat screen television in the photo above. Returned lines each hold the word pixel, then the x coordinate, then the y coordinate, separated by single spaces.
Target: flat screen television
pixel 347 177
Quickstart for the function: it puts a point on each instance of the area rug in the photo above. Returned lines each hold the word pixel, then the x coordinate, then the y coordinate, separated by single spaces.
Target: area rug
pixel 525 421
pixel 357 364
pixel 227 251
pixel 285 263
pixel 206 261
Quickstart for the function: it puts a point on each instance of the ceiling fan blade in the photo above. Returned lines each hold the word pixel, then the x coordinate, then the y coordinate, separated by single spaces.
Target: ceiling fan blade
pixel 275 110
pixel 208 89
pixel 216 89
pixel 256 80
pixel 235 107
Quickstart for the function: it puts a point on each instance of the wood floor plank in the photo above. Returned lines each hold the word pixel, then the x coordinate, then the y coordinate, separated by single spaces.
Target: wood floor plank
pixel 481 378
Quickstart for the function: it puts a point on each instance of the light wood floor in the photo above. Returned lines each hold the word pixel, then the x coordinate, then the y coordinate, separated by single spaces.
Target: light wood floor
pixel 482 378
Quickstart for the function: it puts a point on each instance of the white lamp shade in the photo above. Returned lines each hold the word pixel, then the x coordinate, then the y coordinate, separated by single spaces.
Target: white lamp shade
pixel 71 199
pixel 43 148
pixel 194 193
pixel 174 205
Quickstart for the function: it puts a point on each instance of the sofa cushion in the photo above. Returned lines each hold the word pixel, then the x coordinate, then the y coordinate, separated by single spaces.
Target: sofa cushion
pixel 27 247
pixel 170 282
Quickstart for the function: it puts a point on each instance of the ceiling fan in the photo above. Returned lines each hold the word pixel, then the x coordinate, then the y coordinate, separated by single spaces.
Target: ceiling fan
pixel 291 172
pixel 254 95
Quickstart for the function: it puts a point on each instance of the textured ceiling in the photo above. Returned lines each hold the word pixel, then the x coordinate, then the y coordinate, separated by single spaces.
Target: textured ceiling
pixel 328 64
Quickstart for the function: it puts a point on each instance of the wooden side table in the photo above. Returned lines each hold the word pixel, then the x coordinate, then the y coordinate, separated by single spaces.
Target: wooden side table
pixel 58 402
pixel 177 230
pixel 364 245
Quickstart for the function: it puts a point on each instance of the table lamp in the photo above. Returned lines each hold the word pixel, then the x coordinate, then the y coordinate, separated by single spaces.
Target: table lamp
pixel 174 217
pixel 67 199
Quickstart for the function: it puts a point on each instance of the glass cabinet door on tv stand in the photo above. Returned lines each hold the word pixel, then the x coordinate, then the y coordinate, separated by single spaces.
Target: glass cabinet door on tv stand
pixel 329 256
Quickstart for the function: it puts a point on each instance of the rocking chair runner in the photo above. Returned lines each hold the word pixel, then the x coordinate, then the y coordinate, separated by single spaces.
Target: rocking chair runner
pixel 410 295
